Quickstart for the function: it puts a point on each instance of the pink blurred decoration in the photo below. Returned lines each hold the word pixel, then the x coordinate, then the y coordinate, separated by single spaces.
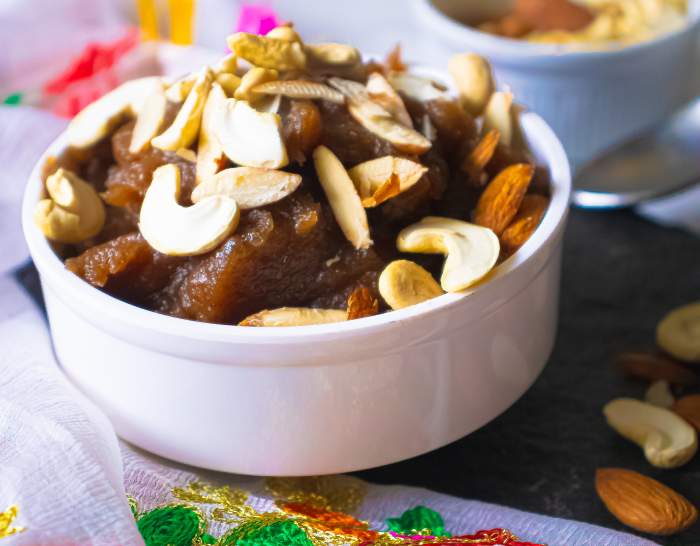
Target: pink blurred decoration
pixel 256 19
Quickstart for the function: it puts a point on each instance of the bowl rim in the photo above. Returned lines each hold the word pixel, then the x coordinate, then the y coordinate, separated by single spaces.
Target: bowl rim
pixel 79 292
pixel 514 50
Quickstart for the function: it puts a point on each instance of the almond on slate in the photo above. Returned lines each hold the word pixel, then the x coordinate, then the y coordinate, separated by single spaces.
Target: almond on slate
pixel 654 367
pixel 688 407
pixel 643 503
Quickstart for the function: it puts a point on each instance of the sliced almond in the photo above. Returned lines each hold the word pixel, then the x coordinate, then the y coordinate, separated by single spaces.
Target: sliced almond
pixel 643 503
pixel 502 115
pixel 178 90
pixel 377 120
pixel 149 120
pixel 294 316
pixel 300 89
pixel 668 441
pixel 255 76
pixel 250 187
pixel 381 92
pixel 361 303
pixel 659 394
pixel 403 283
pixel 428 128
pixel 251 138
pixel 267 52
pixel 342 197
pixel 473 77
pixel 380 179
pixel 185 127
pixel 209 149
pixel 678 333
pixel 184 231
pixel 471 251
pixel 331 54
pixel 416 87
pixel 475 163
pixel 499 203
pixel 98 119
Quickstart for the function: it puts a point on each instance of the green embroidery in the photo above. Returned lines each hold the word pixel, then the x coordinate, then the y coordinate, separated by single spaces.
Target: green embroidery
pixel 173 525
pixel 259 533
pixel 419 520
pixel 12 100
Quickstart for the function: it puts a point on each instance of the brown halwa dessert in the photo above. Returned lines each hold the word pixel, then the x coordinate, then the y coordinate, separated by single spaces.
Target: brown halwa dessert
pixel 292 184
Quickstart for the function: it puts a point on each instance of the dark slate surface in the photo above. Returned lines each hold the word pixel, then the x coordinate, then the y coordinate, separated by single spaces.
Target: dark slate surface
pixel 621 274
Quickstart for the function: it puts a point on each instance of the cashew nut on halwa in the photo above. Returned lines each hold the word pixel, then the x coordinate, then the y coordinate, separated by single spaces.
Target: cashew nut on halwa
pixel 471 251
pixel 74 211
pixel 184 231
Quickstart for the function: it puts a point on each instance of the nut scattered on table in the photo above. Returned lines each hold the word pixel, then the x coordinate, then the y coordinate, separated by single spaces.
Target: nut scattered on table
pixel 678 333
pixel 653 367
pixel 404 283
pixel 183 231
pixel 667 440
pixel 470 251
pixel 659 394
pixel 688 407
pixel 74 211
pixel 643 503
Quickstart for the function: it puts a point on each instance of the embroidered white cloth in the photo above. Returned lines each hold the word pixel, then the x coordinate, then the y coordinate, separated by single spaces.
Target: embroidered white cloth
pixel 62 465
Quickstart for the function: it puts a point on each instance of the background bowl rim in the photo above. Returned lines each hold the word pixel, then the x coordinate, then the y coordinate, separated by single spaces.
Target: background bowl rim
pixel 52 270
pixel 515 50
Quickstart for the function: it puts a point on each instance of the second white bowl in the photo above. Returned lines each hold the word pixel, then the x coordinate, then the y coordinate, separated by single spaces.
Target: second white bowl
pixel 592 99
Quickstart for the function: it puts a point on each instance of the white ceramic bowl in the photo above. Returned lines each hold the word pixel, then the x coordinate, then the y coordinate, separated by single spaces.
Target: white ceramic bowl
pixel 592 99
pixel 315 399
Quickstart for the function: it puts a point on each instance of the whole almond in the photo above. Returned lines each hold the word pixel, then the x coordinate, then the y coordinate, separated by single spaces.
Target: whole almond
pixel 643 503
pixel 688 407
pixel 654 367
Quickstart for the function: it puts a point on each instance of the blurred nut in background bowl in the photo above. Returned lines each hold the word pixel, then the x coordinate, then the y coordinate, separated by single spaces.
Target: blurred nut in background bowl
pixel 592 98
pixel 313 399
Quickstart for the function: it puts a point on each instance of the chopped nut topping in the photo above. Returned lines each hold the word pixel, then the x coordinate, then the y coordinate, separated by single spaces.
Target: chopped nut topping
pixel 343 197
pixel 300 89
